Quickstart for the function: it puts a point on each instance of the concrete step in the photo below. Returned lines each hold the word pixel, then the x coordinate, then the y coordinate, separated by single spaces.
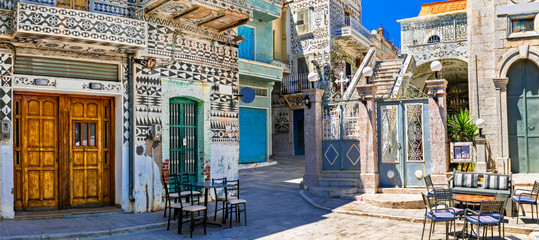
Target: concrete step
pixel 333 192
pixel 395 201
pixel 338 182
pixel 417 190
pixel 340 174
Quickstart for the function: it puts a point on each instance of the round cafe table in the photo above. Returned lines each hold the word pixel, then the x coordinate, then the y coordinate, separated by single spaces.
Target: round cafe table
pixel 471 199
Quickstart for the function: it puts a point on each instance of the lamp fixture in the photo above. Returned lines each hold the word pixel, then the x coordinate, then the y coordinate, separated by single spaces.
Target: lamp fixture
pixel 480 123
pixel 41 82
pixel 96 86
pixel 239 39
pixel 436 66
pixel 307 102
pixel 313 77
pixel 367 72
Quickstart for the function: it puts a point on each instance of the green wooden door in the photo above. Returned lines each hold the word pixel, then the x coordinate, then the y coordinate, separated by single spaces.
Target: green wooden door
pixel 523 116
pixel 183 136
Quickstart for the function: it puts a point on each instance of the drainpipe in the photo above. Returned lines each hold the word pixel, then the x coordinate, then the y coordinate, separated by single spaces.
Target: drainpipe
pixel 131 82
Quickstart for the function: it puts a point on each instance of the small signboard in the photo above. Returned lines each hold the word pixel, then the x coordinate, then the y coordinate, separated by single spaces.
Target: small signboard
pixel 461 152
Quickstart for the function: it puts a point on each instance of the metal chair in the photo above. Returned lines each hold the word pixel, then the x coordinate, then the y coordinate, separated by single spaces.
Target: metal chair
pixel 483 218
pixel 527 197
pixel 430 185
pixel 437 215
pixel 185 190
pixel 444 197
pixel 233 205
pixel 187 208
pixel 220 197
pixel 501 215
pixel 170 191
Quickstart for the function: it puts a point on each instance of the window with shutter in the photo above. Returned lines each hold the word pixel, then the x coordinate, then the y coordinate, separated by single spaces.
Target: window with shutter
pixel 302 21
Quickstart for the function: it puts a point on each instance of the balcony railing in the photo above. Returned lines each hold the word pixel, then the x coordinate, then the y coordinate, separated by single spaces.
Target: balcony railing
pixel 275 60
pixel 296 83
pixel 355 25
pixel 451 28
pixel 108 7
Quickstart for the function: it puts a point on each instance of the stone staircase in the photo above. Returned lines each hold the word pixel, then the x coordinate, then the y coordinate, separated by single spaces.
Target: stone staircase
pixel 336 183
pixel 383 75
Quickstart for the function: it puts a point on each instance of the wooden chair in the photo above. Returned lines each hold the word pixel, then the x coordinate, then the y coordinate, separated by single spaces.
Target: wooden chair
pixel 233 204
pixel 170 191
pixel 501 216
pixel 187 209
pixel 444 214
pixel 527 197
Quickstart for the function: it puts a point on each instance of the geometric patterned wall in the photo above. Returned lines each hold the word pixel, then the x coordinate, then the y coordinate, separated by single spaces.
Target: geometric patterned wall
pixel 6 66
pixel 196 59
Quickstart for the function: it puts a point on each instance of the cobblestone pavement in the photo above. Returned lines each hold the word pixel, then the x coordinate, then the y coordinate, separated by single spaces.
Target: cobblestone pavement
pixel 275 211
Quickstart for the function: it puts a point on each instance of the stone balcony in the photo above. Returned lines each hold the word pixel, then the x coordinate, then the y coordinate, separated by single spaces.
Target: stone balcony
pixel 353 37
pixel 98 26
pixel 219 15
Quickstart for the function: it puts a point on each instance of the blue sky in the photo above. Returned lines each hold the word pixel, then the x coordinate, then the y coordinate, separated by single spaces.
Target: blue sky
pixel 387 12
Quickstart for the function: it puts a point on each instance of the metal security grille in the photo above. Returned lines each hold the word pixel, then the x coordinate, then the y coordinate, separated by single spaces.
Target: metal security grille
pixel 183 139
pixel 54 67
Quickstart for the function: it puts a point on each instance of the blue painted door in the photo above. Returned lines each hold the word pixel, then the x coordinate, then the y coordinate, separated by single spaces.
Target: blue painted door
pixel 404 146
pixel 253 135
pixel 299 140
pixel 523 116
pixel 247 47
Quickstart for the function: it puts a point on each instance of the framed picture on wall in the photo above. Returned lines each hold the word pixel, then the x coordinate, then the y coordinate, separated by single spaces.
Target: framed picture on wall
pixel 461 152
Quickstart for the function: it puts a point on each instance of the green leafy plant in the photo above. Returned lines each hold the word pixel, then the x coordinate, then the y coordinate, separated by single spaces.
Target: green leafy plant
pixel 461 127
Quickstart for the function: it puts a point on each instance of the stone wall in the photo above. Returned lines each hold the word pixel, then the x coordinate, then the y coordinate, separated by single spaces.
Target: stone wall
pixel 493 52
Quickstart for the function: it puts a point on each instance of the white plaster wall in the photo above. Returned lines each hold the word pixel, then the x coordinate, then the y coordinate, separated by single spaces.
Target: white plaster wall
pixel 6 178
pixel 224 161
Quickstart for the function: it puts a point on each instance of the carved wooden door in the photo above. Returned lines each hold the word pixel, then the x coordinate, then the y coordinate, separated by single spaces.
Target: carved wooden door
pixel 90 153
pixel 39 154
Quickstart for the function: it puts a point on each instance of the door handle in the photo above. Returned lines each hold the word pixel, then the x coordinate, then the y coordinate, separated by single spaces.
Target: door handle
pixel 531 127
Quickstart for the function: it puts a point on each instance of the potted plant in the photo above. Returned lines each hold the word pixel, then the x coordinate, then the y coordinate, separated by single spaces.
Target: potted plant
pixel 462 132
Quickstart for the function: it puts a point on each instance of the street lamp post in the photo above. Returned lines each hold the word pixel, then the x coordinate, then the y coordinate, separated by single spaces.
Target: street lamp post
pixel 436 66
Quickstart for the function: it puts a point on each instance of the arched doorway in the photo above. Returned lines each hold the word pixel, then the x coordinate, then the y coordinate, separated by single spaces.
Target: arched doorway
pixel 455 71
pixel 523 116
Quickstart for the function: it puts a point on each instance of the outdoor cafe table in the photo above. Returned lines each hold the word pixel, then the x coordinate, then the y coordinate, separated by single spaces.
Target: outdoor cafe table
pixel 207 186
pixel 473 199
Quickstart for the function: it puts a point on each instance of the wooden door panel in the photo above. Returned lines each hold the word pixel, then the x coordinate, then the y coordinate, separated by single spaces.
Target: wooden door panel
pixel 39 135
pixel 91 184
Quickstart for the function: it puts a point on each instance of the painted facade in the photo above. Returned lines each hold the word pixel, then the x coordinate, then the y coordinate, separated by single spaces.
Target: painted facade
pixel 440 33
pixel 196 58
pixel 311 30
pixel 260 68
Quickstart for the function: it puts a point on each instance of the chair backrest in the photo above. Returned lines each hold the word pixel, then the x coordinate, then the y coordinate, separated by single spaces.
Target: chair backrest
pixel 217 180
pixel 443 196
pixel 186 178
pixel 535 189
pixel 233 190
pixel 428 182
pixel 426 201
pixel 489 207
pixel 170 185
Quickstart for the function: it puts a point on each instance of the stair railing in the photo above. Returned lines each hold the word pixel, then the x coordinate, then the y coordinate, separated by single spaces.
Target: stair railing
pixel 359 73
pixel 399 77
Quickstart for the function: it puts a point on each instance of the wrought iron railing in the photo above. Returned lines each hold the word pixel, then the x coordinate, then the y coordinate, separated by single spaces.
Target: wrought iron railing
pixel 279 2
pixel 355 25
pixel 444 29
pixel 295 83
pixel 108 7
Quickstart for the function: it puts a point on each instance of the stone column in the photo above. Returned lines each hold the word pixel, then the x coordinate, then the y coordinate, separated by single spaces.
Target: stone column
pixel 368 141
pixel 438 129
pixel 313 137
pixel 503 163
pixel 481 162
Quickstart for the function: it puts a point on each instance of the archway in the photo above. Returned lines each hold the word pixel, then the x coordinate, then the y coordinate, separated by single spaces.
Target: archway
pixel 455 71
pixel 522 117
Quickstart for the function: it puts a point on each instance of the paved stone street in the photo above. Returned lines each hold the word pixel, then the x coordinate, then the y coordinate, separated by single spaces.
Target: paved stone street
pixel 275 211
